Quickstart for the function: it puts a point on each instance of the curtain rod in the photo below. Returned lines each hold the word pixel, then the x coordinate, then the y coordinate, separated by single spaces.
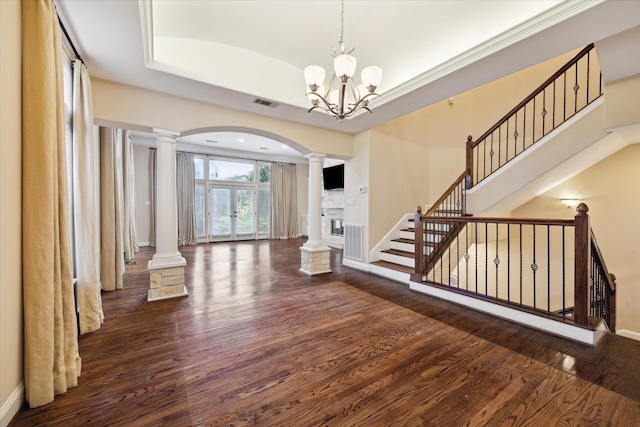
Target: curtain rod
pixel 64 30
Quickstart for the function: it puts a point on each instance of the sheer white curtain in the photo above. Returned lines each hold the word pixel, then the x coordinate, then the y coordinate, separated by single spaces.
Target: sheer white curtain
pixel 186 189
pixel 86 169
pixel 51 360
pixel 130 237
pixel 284 201
pixel 112 208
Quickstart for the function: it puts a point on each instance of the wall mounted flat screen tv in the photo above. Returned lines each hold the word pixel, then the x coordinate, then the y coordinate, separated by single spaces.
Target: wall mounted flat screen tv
pixel 333 177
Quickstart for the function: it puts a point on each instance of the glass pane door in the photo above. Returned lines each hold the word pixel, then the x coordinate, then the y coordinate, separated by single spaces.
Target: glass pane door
pixel 232 213
pixel 220 212
pixel 244 214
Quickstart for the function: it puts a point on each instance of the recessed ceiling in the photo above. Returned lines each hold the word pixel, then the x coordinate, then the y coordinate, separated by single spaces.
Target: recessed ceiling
pixel 262 47
pixel 231 52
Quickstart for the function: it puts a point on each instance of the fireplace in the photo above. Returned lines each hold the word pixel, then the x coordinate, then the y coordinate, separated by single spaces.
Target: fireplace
pixel 337 227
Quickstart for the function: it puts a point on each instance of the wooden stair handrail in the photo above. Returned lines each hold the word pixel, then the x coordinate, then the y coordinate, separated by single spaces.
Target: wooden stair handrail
pixel 446 193
pixel 533 94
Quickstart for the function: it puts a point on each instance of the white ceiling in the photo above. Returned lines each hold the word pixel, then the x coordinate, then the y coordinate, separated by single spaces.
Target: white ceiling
pixel 231 52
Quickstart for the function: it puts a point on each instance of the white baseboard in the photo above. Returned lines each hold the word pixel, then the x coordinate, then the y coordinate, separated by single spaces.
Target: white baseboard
pixel 541 323
pixel 141 244
pixel 12 405
pixel 356 264
pixel 629 334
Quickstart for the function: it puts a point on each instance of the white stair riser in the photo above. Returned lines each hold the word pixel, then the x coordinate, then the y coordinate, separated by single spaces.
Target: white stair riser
pixel 433 238
pixel 407 247
pixel 407 235
pixel 396 259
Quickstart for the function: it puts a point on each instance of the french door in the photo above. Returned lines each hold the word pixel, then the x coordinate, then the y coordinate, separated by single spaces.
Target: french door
pixel 232 213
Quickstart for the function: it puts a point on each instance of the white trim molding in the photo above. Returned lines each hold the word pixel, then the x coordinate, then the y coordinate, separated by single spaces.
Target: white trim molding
pixel 628 334
pixel 12 405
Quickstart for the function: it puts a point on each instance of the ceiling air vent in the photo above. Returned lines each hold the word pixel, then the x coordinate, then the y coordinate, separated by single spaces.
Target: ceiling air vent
pixel 266 103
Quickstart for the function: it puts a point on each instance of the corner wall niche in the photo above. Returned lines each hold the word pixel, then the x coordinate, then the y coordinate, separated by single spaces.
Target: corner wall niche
pixel 332 211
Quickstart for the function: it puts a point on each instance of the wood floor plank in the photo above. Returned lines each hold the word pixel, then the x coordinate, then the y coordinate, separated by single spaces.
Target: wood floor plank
pixel 256 342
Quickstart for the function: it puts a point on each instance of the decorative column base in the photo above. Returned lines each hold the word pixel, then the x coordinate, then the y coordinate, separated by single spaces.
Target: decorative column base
pixel 167 281
pixel 315 259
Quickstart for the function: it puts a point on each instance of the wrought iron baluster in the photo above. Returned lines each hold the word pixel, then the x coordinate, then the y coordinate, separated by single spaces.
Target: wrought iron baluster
pixel 564 97
pixel 521 271
pixel 534 267
pixel 564 283
pixel 466 255
pixel 553 107
pixel 496 261
pixel 486 258
pixel 548 269
pixel 509 262
pixel 575 90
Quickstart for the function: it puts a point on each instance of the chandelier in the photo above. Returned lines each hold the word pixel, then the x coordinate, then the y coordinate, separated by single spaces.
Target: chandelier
pixel 342 96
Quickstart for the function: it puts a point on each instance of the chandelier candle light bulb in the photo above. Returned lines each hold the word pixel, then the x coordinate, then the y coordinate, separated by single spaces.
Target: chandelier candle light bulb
pixel 342 96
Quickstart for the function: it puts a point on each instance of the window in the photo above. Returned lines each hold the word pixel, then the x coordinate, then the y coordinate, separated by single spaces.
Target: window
pixel 198 163
pixel 231 171
pixel 232 198
pixel 265 173
pixel 200 209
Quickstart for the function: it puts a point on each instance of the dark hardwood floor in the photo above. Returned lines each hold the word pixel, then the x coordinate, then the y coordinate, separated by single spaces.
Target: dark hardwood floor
pixel 256 342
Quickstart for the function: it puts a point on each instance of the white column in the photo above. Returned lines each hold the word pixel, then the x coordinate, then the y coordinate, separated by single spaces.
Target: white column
pixel 167 265
pixel 314 253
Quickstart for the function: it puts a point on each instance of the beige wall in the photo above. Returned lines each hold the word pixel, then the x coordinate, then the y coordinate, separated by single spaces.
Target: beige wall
pixel 397 181
pixel 136 108
pixel 414 158
pixel 610 189
pixel 11 329
pixel 356 175
pixel 622 106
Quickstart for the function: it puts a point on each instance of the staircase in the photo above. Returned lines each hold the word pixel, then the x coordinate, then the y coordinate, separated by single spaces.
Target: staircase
pixel 507 174
pixel 398 261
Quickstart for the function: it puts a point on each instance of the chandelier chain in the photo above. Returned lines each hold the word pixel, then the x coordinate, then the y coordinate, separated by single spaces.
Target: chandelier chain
pixel 342 23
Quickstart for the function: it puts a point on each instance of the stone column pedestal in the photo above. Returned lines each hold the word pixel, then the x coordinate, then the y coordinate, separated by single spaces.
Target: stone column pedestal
pixel 315 260
pixel 166 283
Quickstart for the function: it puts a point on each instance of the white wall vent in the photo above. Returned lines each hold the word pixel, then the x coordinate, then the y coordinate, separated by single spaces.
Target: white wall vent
pixel 353 242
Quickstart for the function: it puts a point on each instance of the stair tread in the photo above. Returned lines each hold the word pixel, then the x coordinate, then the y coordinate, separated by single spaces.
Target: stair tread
pixel 403 240
pixel 413 230
pixel 393 266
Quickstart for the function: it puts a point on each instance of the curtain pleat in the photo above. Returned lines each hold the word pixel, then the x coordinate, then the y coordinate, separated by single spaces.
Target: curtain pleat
pixel 284 201
pixel 86 203
pixel 112 211
pixel 51 359
pixel 186 195
pixel 130 237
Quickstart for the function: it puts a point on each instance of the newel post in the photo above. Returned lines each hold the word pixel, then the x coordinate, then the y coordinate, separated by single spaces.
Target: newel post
pixel 581 268
pixel 469 159
pixel 416 276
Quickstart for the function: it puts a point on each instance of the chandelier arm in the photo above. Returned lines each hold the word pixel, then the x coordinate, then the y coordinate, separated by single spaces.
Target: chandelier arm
pixel 327 104
pixel 357 105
